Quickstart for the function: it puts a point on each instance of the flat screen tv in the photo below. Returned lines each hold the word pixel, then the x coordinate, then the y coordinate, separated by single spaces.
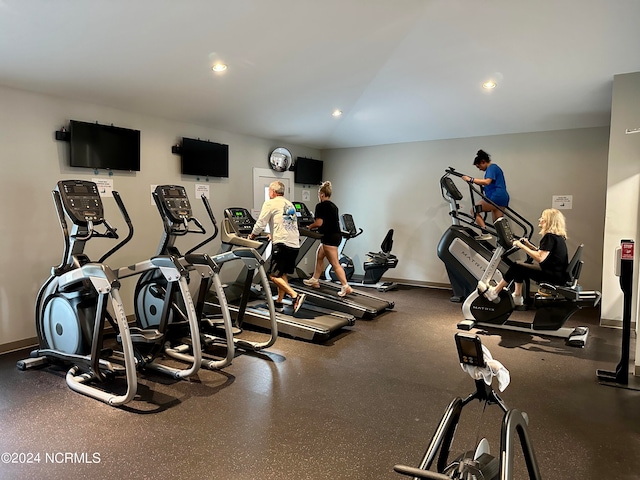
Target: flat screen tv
pixel 308 171
pixel 104 146
pixel 206 159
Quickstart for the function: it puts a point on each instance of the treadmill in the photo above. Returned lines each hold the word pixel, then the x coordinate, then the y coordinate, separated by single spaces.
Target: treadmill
pixel 247 301
pixel 359 304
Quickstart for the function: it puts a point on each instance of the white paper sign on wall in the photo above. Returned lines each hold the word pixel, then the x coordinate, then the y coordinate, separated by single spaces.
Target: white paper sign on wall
pixel 562 202
pixel 202 189
pixel 105 186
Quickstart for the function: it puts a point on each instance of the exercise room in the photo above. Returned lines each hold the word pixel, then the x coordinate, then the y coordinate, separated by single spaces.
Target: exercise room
pixel 319 240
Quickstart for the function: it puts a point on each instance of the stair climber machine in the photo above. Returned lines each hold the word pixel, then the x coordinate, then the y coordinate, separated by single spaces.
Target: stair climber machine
pixel 248 300
pixel 217 329
pixel 552 310
pixel 479 463
pixel 376 264
pixel 465 251
pixel 81 296
pixel 360 304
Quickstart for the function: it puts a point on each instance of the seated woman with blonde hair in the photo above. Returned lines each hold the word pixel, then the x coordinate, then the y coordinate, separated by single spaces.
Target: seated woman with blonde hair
pixel 550 259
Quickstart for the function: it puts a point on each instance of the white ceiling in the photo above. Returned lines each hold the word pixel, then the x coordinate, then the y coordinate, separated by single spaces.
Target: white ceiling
pixel 400 70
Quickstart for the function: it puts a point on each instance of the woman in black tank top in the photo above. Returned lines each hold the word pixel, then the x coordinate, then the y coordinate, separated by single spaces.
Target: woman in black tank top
pixel 327 223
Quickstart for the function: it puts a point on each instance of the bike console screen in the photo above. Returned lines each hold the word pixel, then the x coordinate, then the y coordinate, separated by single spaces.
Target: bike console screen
pixel 470 350
pixel 505 236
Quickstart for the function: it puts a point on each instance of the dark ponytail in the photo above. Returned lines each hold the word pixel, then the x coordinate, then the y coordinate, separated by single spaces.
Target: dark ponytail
pixel 481 156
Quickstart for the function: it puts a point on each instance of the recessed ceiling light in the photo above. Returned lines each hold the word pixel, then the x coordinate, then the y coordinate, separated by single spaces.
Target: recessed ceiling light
pixel 219 67
pixel 489 85
pixel 337 113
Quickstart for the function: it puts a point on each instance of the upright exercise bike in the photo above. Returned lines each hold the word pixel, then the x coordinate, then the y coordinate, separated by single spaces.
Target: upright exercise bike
pixel 376 264
pixel 479 463
pixel 80 297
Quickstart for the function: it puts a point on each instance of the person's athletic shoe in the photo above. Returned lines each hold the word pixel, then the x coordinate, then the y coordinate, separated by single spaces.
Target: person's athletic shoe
pixel 279 306
pixel 298 301
pixel 518 300
pixel 484 237
pixel 311 282
pixel 345 290
pixel 488 292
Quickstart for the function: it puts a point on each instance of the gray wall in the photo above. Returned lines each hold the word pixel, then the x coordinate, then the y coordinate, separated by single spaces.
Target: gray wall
pixel 397 186
pixel 623 196
pixel 32 161
pixel 392 186
pixel 623 187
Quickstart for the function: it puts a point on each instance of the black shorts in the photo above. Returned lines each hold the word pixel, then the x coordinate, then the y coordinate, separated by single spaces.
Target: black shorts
pixel 332 239
pixel 283 260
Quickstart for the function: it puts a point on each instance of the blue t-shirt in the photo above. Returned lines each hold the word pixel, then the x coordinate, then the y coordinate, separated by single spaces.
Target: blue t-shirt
pixel 497 189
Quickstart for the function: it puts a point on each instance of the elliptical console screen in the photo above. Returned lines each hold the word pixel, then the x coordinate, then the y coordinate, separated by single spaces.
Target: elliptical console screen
pixel 81 201
pixel 470 350
pixel 174 201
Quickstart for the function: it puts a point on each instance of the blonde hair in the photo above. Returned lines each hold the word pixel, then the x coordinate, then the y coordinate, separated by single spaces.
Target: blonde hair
pixel 278 187
pixel 326 189
pixel 554 222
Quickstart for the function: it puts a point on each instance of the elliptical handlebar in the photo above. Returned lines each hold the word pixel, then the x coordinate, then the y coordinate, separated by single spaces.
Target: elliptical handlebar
pixel 65 231
pixel 111 232
pixel 207 207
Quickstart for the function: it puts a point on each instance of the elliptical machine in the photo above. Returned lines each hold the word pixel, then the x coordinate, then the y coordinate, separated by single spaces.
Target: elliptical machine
pixel 81 296
pixel 376 264
pixel 478 463
pixel 152 287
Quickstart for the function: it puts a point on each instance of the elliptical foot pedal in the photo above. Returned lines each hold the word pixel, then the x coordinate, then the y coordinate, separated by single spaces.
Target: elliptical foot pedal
pixel 140 335
pixel 466 325
pixel 32 362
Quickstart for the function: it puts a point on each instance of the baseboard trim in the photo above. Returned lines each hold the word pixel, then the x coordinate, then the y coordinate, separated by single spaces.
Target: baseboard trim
pixel 609 322
pixel 27 343
pixel 31 343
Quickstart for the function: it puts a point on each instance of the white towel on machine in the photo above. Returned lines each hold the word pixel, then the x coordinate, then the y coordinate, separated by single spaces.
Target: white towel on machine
pixel 492 369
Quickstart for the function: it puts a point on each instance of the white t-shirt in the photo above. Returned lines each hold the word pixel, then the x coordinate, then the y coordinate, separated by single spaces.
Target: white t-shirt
pixel 280 214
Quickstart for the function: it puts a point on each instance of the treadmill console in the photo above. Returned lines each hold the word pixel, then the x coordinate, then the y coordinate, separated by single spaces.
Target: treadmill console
pixel 175 202
pixel 241 219
pixel 81 201
pixel 304 215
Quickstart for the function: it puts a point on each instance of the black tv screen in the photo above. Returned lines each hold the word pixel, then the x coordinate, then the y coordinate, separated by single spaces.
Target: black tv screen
pixel 206 159
pixel 308 171
pixel 104 146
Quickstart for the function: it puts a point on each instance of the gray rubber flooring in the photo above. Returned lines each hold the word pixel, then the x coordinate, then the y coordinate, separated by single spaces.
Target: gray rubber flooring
pixel 351 408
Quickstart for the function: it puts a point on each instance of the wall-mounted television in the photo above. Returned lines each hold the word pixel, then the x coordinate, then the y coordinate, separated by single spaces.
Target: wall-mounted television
pixel 104 146
pixel 205 159
pixel 308 171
